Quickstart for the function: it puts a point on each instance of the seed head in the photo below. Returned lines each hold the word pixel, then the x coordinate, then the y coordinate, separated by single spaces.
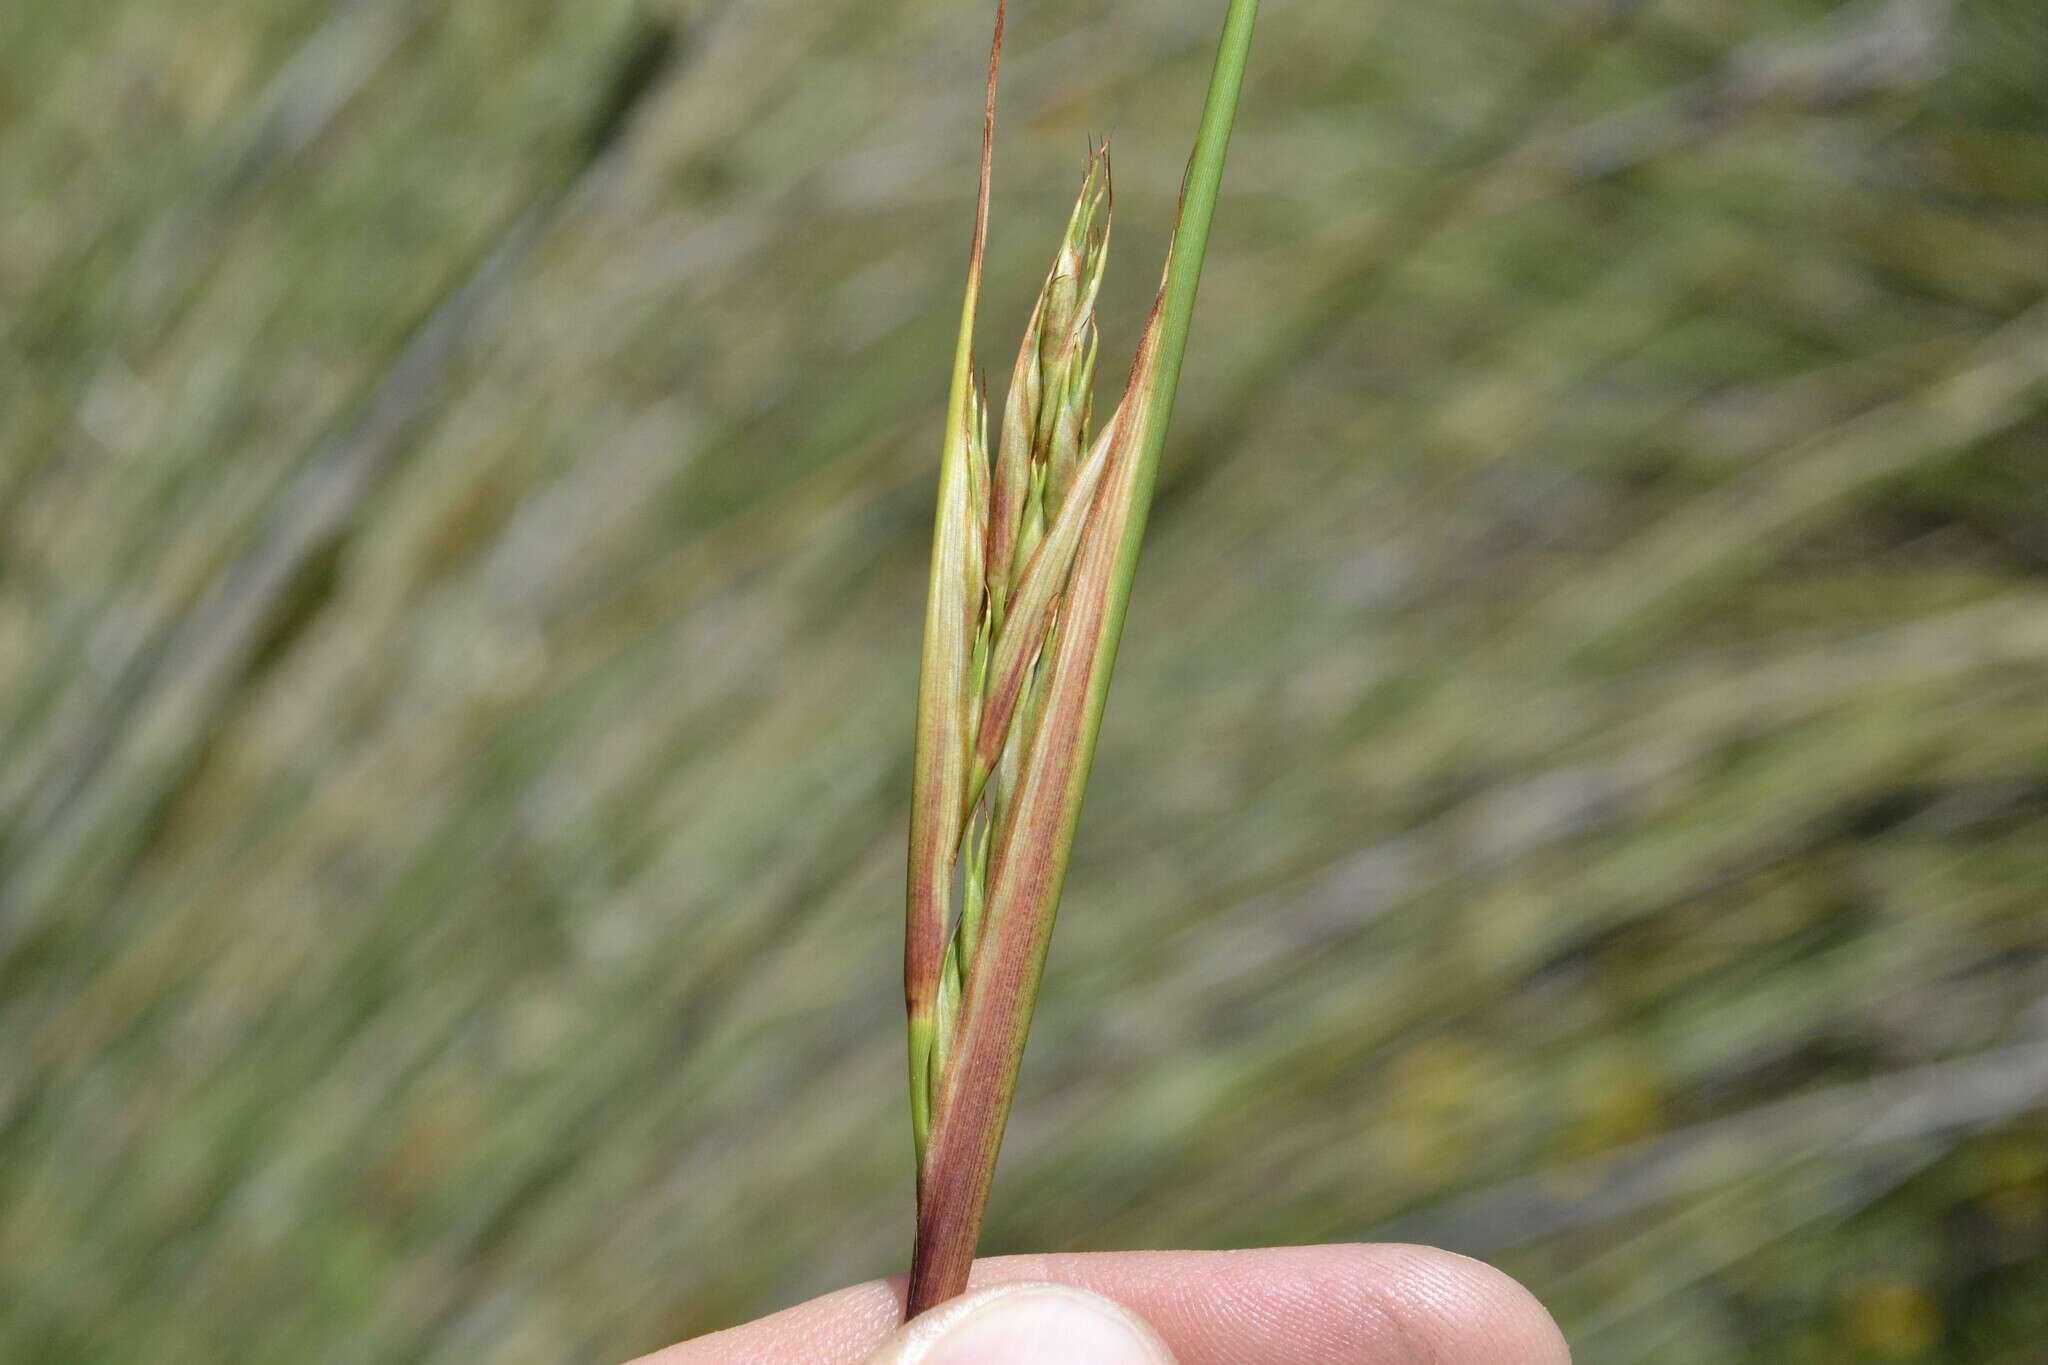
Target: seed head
pixel 1032 561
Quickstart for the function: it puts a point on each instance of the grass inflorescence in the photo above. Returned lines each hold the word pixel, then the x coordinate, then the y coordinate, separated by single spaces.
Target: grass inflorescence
pixel 1033 556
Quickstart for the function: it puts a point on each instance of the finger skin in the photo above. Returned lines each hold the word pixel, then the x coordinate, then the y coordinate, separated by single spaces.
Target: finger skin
pixel 1327 1305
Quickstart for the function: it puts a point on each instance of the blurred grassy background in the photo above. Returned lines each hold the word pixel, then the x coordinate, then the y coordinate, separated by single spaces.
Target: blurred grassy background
pixel 1575 787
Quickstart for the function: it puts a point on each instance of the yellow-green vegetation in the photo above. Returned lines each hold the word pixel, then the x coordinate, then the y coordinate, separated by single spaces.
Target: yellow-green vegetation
pixel 1578 774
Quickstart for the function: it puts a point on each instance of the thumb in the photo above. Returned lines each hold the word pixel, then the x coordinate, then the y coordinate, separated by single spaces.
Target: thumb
pixel 1026 1324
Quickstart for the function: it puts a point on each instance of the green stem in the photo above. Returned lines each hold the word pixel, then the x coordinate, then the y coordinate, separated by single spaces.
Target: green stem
pixel 1191 236
pixel 1183 278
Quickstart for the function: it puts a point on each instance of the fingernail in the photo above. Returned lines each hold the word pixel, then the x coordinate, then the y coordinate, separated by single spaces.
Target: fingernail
pixel 1027 1324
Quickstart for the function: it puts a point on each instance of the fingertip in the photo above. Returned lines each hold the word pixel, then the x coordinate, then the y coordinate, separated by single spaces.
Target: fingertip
pixel 1464 1309
pixel 1376 1304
